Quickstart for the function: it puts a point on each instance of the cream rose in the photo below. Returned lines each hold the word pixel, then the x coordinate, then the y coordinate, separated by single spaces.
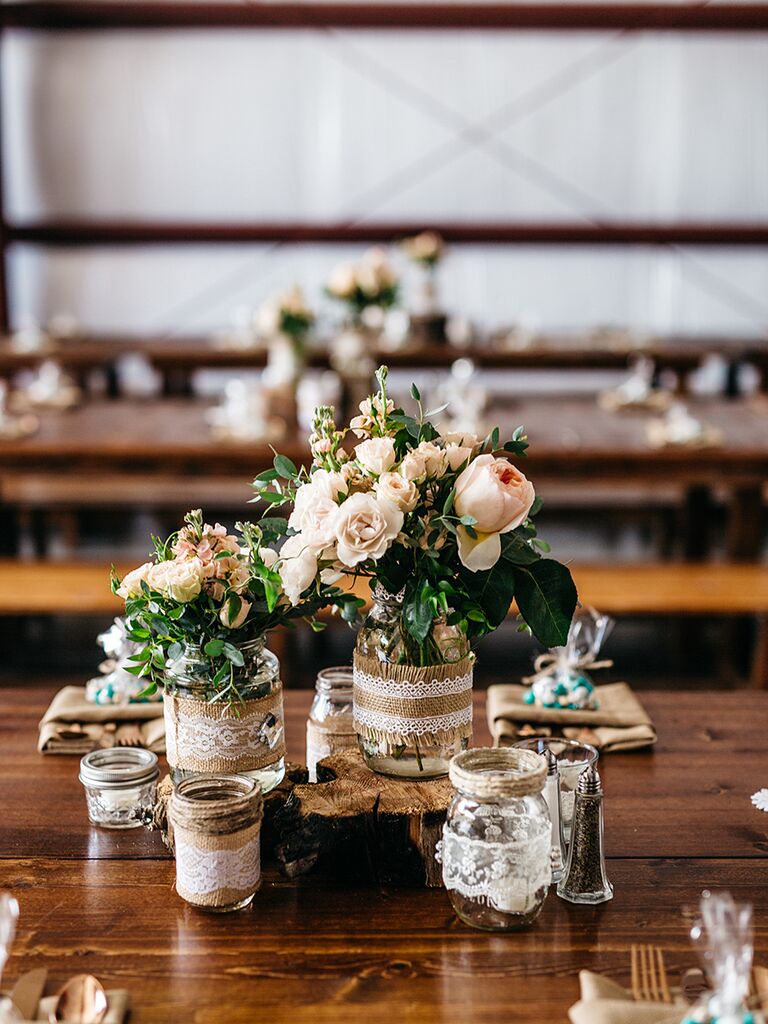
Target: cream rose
pixel 342 282
pixel 314 514
pixel 435 461
pixel 402 493
pixel 180 581
pixel 329 484
pixel 413 466
pixel 239 619
pixel 499 498
pixel 365 528
pixel 376 455
pixel 297 567
pixel 268 556
pixel 459 448
pixel 131 584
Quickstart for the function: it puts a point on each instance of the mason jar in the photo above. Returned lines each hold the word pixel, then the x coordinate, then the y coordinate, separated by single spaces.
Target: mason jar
pixel 330 728
pixel 413 710
pixel 497 837
pixel 216 821
pixel 238 732
pixel 120 786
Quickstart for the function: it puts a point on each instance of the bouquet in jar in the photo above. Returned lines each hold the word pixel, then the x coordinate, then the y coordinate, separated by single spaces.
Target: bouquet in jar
pixel 199 613
pixel 442 526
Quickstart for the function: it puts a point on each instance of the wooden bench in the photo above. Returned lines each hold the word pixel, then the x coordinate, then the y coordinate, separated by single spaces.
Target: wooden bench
pixel 80 588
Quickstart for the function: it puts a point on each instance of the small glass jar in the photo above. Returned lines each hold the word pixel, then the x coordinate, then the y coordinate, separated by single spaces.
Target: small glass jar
pixel 383 637
pixel 120 786
pixel 216 821
pixel 572 758
pixel 244 735
pixel 330 728
pixel 497 838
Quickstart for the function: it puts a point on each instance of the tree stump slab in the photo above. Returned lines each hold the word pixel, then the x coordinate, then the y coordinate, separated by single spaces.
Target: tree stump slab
pixel 363 825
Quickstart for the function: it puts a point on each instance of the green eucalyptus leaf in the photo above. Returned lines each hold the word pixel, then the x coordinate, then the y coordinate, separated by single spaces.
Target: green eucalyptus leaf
pixel 233 654
pixel 285 467
pixel 214 648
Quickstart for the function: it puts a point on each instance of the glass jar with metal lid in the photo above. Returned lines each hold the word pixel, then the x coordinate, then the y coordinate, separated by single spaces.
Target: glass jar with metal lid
pixel 120 786
pixel 497 837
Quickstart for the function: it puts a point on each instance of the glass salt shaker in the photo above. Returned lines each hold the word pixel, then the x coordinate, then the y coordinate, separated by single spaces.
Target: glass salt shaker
pixel 497 838
pixel 120 786
pixel 330 727
pixel 553 798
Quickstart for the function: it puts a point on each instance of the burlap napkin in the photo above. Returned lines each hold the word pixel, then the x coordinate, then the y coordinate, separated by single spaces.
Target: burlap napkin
pixel 620 723
pixel 73 725
pixel 118 1005
pixel 604 1002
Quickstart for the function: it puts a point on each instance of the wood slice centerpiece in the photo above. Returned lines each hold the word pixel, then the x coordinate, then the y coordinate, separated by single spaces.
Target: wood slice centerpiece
pixel 355 822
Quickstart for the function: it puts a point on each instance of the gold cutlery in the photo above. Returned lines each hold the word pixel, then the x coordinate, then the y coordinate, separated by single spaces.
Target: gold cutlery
pixel 81 1001
pixel 649 976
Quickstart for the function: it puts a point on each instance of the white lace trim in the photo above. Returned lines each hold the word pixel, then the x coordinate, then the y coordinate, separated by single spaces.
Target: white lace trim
pixel 416 726
pixel 201 872
pixel 424 689
pixel 512 876
pixel 226 738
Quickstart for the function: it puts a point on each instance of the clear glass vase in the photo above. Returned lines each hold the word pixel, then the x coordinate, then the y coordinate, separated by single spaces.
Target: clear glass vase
pixel 242 734
pixel 383 637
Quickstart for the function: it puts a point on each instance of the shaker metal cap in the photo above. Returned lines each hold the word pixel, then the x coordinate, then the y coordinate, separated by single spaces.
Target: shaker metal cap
pixel 589 781
pixel 118 767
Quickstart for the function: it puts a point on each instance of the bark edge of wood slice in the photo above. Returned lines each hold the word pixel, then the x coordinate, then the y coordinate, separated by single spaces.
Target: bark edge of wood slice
pixel 362 825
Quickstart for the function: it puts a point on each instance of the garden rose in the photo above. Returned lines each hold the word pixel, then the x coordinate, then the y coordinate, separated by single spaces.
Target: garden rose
pixel 314 511
pixel 365 528
pixel 376 455
pixel 342 282
pixel 499 498
pixel 459 448
pixel 435 461
pixel 402 493
pixel 180 581
pixel 297 567
pixel 329 484
pixel 131 584
pixel 239 619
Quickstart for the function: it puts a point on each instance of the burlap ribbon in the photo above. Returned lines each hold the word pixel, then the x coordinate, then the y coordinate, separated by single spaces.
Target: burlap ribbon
pixel 404 704
pixel 203 737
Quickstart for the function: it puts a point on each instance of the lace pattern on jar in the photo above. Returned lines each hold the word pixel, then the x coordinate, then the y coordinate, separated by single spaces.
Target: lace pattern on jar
pixel 204 872
pixel 206 737
pixel 504 875
pixel 400 703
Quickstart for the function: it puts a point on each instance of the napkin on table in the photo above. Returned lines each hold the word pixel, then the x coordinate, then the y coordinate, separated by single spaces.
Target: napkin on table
pixel 604 1002
pixel 620 723
pixel 74 725
pixel 118 1004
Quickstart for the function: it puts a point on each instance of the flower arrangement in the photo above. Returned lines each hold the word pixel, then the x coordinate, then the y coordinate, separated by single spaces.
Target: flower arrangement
pixel 448 520
pixel 214 590
pixel 427 248
pixel 370 282
pixel 286 313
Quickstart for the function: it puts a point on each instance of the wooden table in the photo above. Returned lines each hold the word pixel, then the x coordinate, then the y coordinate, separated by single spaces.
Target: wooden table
pixel 679 819
pixel 572 441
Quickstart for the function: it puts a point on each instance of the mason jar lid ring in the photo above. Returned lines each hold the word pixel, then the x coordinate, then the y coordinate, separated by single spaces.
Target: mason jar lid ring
pixel 498 772
pixel 119 767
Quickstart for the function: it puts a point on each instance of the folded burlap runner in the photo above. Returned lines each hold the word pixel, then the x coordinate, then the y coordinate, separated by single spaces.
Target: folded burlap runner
pixel 73 725
pixel 604 1002
pixel 620 723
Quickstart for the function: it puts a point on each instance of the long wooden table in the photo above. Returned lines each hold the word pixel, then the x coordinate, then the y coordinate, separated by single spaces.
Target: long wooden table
pixel 679 820
pixel 573 441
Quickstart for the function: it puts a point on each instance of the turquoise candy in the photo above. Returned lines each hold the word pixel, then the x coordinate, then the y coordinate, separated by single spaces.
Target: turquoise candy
pixel 551 704
pixel 561 689
pixel 583 681
pixel 574 707
pixel 529 697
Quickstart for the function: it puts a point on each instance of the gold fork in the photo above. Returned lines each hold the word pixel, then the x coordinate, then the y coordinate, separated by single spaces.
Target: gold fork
pixel 649 976
pixel 129 735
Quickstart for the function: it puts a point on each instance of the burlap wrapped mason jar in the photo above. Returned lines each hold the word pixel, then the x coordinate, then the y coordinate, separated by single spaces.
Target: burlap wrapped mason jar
pixel 243 734
pixel 216 821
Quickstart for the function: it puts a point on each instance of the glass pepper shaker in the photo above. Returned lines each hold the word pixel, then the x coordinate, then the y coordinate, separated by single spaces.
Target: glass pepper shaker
pixel 585 879
pixel 330 727
pixel 497 838
pixel 552 796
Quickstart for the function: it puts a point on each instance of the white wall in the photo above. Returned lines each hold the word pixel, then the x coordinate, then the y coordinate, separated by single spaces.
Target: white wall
pixel 232 125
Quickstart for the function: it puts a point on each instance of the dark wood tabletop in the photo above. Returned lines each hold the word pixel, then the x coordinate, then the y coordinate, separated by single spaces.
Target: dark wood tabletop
pixel 678 820
pixel 571 439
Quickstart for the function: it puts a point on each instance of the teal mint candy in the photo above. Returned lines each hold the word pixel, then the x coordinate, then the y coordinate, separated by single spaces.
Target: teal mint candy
pixel 529 697
pixel 561 689
pixel 573 707
pixel 551 704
